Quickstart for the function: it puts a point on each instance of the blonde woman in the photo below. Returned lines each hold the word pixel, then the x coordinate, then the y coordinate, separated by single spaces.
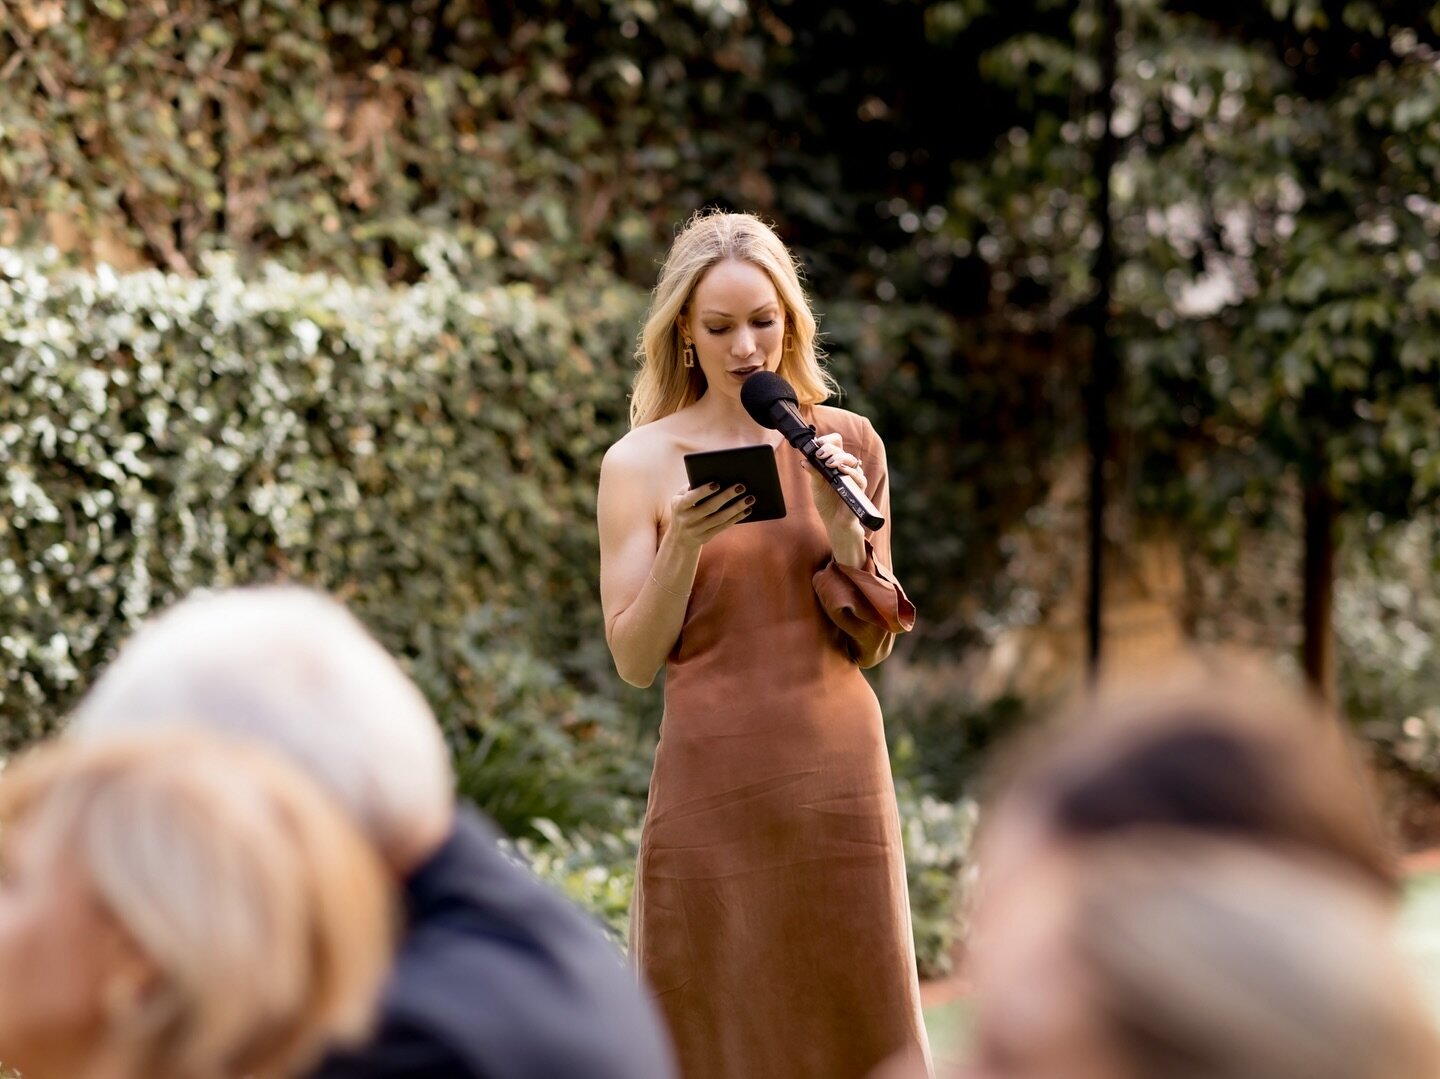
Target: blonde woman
pixel 771 916
pixel 1186 879
pixel 180 907
pixel 1172 954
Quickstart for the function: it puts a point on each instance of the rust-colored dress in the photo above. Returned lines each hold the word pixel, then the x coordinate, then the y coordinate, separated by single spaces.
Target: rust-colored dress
pixel 770 916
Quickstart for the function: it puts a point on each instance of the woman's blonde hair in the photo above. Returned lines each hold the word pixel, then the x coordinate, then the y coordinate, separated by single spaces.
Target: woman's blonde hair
pixel 663 384
pixel 267 919
pixel 1212 959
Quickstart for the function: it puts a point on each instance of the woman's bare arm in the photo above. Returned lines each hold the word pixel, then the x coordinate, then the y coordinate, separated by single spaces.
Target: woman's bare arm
pixel 647 566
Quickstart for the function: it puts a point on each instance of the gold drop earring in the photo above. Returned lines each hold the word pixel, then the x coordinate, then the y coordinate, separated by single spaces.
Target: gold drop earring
pixel 689 353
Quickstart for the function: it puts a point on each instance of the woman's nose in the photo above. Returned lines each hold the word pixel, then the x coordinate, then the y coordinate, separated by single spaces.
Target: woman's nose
pixel 744 342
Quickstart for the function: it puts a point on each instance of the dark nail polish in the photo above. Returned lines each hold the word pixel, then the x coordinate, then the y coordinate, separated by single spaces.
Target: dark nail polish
pixel 750 501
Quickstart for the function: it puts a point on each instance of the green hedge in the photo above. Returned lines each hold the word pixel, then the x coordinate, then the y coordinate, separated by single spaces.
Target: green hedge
pixel 426 452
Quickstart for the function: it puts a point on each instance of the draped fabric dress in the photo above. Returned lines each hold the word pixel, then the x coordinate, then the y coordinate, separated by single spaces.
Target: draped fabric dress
pixel 770 916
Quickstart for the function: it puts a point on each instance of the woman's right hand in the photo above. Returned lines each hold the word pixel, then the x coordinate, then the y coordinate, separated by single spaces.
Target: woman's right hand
pixel 698 515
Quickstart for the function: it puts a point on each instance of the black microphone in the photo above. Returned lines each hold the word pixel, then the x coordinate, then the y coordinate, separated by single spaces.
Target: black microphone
pixel 771 402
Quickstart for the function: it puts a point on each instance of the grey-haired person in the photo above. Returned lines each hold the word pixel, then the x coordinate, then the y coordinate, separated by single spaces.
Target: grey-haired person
pixel 496 975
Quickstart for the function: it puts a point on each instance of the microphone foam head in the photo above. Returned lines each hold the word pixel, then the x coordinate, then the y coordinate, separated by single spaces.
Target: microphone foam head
pixel 759 393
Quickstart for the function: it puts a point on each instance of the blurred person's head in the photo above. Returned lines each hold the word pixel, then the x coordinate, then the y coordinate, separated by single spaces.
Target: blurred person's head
pixel 756 268
pixel 1174 955
pixel 1231 754
pixel 294 670
pixel 184 906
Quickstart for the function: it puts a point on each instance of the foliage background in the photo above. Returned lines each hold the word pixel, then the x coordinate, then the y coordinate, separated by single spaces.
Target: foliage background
pixel 347 292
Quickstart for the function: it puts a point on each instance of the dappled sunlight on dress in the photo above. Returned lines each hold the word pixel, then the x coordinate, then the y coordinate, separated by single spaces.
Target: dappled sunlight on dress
pixel 771 916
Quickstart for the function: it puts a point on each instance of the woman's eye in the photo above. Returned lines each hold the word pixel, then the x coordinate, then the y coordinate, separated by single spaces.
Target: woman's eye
pixel 765 322
pixel 716 331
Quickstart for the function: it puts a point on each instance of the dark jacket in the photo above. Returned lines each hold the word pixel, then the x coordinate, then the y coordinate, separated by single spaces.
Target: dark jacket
pixel 499 978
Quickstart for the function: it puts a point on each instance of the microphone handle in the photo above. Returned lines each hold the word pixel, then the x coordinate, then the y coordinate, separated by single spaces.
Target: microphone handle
pixel 848 490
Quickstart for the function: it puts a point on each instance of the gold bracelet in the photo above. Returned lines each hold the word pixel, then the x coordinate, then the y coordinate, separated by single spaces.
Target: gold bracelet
pixel 682 595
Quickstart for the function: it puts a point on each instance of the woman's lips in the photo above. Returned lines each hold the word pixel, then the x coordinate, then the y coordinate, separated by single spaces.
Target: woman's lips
pixel 742 373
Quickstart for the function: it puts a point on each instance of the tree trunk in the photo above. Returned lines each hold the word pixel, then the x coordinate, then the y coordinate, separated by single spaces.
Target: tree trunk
pixel 1318 647
pixel 1104 373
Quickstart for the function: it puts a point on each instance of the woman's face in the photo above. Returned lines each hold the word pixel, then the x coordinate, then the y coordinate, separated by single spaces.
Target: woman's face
pixel 737 324
pixel 60 952
pixel 1037 1015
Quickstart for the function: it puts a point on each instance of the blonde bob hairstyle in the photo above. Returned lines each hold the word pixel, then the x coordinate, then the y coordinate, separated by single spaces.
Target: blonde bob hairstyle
pixel 1215 959
pixel 265 919
pixel 664 384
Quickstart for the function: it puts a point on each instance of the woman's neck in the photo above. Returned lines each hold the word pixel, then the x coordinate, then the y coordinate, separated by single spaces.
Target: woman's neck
pixel 723 415
pixel 111 1060
pixel 110 1068
pixel 98 1062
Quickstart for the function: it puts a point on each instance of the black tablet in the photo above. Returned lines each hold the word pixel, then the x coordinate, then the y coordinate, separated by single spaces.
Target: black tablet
pixel 754 466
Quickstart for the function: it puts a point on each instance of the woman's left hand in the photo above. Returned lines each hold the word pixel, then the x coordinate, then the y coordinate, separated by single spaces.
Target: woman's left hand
pixel 842 525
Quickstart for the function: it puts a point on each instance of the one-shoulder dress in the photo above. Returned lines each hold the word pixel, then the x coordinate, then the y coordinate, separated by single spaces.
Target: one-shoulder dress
pixel 770 915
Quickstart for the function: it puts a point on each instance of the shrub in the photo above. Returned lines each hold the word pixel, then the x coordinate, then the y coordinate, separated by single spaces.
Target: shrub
pixel 1387 624
pixel 595 868
pixel 941 735
pixel 429 454
pixel 939 837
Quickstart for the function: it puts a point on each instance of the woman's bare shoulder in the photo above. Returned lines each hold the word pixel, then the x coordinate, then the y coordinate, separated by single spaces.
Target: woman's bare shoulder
pixel 648 455
pixel 641 447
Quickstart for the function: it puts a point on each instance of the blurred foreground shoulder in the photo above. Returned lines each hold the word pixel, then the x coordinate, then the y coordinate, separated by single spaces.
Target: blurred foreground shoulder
pixel 500 976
